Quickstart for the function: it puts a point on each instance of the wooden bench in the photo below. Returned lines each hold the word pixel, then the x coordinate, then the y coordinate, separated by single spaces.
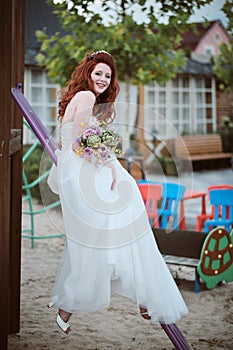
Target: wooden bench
pixel 181 248
pixel 200 147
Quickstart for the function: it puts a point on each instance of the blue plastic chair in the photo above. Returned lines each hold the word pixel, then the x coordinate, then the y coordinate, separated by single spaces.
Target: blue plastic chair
pixel 172 193
pixel 222 201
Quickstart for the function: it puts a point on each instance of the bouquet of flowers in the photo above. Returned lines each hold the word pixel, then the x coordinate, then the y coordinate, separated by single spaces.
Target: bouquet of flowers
pixel 97 143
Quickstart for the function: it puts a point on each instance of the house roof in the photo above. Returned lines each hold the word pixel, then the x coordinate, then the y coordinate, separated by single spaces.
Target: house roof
pixel 39 15
pixel 195 67
pixel 192 37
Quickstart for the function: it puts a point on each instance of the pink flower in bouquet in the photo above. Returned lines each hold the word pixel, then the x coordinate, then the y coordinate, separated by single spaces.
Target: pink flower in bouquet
pixel 91 131
pixel 87 152
pixel 104 152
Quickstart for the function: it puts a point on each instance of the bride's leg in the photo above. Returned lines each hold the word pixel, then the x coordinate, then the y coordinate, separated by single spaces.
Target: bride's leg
pixel 64 315
pixel 62 320
pixel 144 313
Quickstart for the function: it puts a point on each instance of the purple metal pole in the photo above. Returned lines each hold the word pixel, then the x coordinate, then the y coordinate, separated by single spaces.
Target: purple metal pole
pixel 176 336
pixel 34 122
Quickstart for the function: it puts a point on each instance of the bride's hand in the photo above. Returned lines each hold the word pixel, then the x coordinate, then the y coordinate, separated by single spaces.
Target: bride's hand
pixel 111 166
pixel 74 146
pixel 113 184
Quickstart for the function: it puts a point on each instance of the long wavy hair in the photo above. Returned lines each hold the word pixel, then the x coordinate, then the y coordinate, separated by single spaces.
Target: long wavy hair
pixel 81 81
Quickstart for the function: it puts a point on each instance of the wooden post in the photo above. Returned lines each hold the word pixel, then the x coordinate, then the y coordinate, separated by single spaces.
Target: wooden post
pixel 141 125
pixel 12 63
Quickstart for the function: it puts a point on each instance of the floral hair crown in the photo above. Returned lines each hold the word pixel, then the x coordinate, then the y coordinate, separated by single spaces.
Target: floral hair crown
pixel 96 53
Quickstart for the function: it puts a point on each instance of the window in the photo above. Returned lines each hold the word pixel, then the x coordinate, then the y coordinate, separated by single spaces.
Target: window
pixel 156 97
pixel 217 36
pixel 209 50
pixel 185 105
pixel 42 94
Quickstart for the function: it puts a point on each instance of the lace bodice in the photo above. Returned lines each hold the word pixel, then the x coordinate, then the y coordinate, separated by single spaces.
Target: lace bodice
pixel 66 135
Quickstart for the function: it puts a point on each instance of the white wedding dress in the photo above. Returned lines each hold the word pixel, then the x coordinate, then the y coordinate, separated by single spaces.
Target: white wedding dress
pixel 110 247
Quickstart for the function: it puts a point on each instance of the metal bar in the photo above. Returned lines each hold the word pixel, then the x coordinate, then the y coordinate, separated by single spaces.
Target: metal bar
pixel 34 122
pixel 176 336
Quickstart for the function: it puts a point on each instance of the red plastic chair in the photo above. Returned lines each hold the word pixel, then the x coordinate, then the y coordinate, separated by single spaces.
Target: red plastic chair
pixel 151 194
pixel 201 218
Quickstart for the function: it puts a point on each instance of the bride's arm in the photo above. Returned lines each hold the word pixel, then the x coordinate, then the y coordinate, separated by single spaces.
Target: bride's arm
pixel 83 103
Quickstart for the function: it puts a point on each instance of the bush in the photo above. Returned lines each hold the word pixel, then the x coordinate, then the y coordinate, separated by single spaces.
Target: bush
pixel 33 168
pixel 167 164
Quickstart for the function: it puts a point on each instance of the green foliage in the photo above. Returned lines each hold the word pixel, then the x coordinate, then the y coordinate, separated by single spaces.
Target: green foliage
pixel 168 165
pixel 224 63
pixel 35 166
pixel 226 133
pixel 31 168
pixel 224 66
pixel 144 52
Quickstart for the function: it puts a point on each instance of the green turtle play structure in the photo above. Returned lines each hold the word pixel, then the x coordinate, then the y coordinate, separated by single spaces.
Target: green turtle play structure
pixel 216 261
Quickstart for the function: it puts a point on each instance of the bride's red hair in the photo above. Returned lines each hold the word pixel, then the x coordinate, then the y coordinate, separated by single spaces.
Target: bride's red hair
pixel 81 81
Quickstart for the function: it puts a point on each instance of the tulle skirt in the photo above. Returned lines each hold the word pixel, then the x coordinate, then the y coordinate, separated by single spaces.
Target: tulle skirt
pixel 110 247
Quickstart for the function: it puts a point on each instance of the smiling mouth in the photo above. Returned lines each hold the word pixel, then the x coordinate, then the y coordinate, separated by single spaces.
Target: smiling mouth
pixel 101 86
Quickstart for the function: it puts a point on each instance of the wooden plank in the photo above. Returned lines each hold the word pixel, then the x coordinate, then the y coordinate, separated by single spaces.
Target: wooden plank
pixel 178 260
pixel 5 54
pixel 12 60
pixel 17 72
pixel 211 156
pixel 186 244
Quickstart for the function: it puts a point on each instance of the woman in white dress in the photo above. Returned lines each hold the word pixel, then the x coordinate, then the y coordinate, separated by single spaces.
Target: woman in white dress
pixel 110 246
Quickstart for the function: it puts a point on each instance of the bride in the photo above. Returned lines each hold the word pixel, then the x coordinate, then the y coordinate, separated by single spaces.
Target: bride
pixel 110 247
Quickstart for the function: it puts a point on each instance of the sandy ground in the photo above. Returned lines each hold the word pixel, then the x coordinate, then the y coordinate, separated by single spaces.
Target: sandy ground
pixel 209 324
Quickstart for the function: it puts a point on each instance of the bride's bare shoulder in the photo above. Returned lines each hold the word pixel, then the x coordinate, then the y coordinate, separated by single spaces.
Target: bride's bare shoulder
pixel 86 95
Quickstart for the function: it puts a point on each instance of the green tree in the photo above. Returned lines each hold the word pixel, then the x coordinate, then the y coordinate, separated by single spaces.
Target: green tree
pixel 224 63
pixel 143 51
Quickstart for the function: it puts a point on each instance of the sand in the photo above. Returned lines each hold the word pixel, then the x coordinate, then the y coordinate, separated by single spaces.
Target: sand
pixel 209 324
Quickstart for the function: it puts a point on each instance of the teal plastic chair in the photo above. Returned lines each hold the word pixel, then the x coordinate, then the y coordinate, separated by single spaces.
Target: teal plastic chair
pixel 168 212
pixel 222 202
pixel 201 218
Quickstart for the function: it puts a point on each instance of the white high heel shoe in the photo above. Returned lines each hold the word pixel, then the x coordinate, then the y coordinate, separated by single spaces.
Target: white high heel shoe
pixel 65 326
pixel 51 304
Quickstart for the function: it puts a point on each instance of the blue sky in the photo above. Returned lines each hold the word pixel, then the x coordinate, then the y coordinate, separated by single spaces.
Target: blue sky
pixel 210 12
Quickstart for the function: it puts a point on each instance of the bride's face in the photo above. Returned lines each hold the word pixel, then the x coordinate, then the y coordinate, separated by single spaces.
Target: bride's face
pixel 101 77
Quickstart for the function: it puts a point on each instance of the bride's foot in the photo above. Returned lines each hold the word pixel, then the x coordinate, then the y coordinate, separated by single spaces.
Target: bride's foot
pixel 62 320
pixel 144 313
